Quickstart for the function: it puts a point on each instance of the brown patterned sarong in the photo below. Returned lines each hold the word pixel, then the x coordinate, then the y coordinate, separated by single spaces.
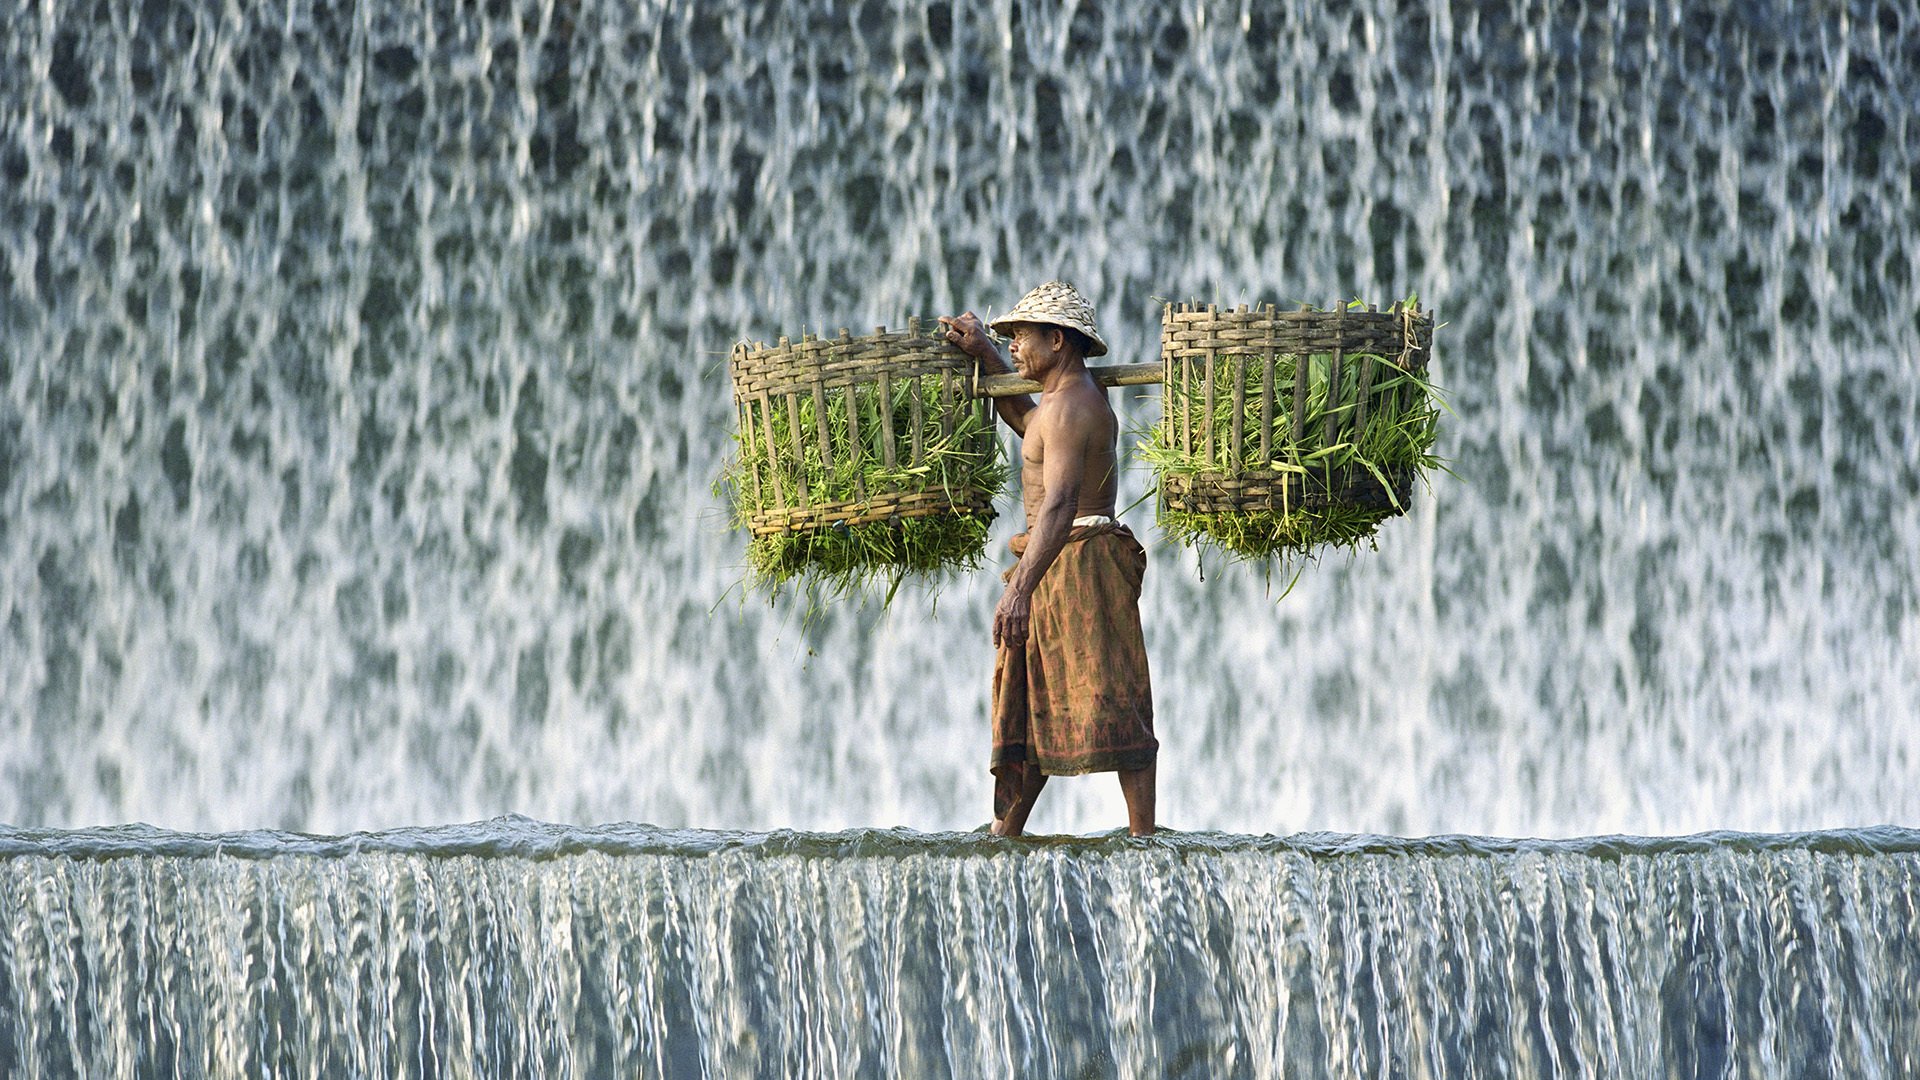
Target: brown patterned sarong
pixel 1076 698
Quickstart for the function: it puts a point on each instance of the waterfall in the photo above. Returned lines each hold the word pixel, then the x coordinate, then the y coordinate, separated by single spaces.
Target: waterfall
pixel 515 949
pixel 362 389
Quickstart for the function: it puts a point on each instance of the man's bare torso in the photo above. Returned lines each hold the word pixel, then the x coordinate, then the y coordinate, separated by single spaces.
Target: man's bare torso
pixel 1079 410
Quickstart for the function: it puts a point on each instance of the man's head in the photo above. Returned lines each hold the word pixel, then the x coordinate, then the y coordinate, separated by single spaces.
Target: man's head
pixel 1040 347
pixel 1049 325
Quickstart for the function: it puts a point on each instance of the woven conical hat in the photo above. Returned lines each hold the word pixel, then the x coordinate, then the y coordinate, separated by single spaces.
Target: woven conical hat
pixel 1056 304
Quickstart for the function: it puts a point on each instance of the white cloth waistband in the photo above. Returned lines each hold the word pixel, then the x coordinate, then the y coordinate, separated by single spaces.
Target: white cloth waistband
pixel 1093 519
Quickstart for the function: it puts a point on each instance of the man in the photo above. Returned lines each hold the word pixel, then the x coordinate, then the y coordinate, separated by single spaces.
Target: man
pixel 1070 688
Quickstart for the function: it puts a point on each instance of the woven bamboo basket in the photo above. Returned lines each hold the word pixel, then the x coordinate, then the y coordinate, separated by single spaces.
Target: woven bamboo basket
pixel 876 405
pixel 1258 453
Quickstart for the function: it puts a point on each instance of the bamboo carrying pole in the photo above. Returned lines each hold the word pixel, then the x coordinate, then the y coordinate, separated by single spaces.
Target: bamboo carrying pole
pixel 1106 375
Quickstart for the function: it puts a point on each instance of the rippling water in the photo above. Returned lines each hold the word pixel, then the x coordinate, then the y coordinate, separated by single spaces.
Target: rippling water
pixel 511 948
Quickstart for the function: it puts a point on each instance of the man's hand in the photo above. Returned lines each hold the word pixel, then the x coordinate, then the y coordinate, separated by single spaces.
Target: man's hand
pixel 1010 619
pixel 967 332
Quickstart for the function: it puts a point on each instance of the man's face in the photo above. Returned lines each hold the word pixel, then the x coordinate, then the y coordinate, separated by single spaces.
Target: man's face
pixel 1036 348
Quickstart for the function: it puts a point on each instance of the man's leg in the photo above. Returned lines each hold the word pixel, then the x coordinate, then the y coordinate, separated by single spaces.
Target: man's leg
pixel 1137 786
pixel 1031 781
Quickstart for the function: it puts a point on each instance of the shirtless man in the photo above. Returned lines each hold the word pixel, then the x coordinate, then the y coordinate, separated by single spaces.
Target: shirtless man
pixel 1071 689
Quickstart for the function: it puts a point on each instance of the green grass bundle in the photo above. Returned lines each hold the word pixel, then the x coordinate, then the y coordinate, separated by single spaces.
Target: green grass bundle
pixel 1365 435
pixel 907 492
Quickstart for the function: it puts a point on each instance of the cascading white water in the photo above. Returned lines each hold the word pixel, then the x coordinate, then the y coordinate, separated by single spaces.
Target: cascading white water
pixel 514 949
pixel 361 389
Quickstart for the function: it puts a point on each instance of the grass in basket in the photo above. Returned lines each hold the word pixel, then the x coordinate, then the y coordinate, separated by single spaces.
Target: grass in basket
pixel 1403 411
pixel 846 556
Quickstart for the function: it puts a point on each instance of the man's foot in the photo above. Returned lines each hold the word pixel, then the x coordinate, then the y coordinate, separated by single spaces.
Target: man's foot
pixel 1137 786
pixel 1017 791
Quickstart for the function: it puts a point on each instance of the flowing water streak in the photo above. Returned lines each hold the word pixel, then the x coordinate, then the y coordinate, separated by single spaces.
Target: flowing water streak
pixel 512 948
pixel 361 388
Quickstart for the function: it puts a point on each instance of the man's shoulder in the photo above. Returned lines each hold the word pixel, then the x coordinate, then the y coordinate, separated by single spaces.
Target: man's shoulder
pixel 1071 412
pixel 1091 417
pixel 1082 402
